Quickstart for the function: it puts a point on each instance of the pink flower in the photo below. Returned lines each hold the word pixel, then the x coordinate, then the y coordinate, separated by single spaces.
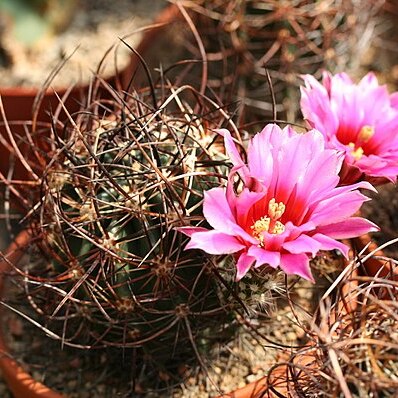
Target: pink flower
pixel 288 206
pixel 360 120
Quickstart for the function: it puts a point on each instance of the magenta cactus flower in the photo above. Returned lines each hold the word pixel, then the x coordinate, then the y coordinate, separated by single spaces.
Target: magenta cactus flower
pixel 287 206
pixel 361 120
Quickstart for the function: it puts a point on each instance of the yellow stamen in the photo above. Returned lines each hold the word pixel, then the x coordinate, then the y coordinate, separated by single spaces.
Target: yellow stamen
pixel 366 133
pixel 277 229
pixel 261 225
pixel 357 153
pixel 269 223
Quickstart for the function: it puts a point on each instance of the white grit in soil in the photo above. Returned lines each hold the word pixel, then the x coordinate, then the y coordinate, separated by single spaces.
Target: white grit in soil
pixel 96 26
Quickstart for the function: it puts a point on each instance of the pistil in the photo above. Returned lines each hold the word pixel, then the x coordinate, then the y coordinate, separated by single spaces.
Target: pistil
pixel 366 133
pixel 270 222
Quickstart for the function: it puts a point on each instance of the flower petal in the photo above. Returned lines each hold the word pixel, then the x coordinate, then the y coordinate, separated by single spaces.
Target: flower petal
pixel 264 256
pixel 218 214
pixel 234 154
pixel 214 242
pixel 243 265
pixel 217 211
pixel 189 231
pixel 394 100
pixel 293 160
pixel 316 107
pixel 349 228
pixel 303 244
pixel 297 264
pixel 259 153
pixel 328 243
pixel 338 208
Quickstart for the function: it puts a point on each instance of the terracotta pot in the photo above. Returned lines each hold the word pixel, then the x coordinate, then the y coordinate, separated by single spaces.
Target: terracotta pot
pixel 21 384
pixel 20 107
pixel 18 101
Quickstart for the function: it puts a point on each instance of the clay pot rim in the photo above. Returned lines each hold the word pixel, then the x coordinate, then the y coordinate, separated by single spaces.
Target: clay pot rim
pixel 18 380
pixel 21 91
pixel 53 88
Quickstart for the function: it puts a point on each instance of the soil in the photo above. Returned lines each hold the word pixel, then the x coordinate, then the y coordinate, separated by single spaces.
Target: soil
pixel 95 27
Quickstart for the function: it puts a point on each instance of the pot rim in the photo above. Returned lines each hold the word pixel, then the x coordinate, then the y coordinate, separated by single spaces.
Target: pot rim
pixel 20 382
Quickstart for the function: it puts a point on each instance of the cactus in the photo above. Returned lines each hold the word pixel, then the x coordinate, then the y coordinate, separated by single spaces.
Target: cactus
pixel 111 200
pixel 110 269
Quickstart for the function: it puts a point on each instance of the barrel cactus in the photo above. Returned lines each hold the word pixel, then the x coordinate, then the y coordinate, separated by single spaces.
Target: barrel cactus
pixel 108 267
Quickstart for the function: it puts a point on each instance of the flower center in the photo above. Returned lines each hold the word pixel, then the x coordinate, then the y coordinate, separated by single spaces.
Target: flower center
pixel 364 135
pixel 270 222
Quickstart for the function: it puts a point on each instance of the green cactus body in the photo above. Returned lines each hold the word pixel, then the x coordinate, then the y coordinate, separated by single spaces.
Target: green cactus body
pixel 112 198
